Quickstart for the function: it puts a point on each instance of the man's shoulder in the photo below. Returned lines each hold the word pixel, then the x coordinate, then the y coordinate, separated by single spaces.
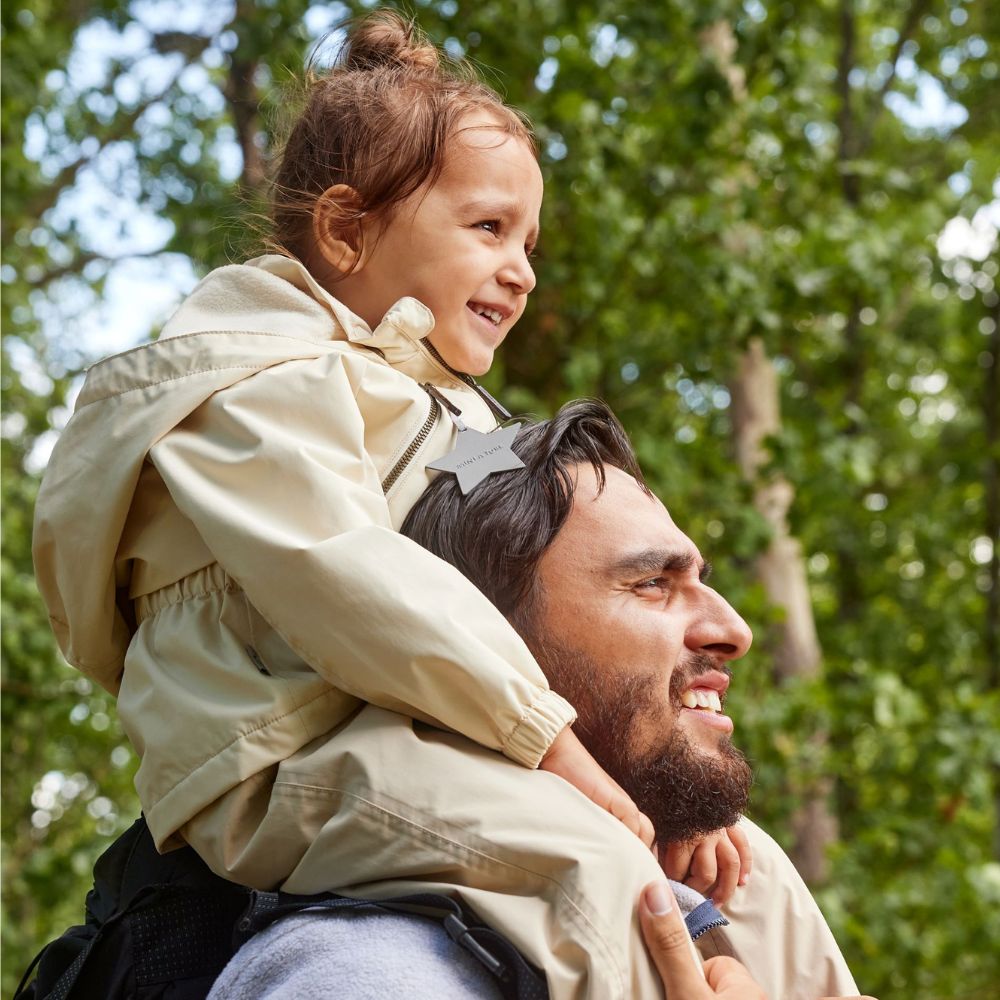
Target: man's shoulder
pixel 777 930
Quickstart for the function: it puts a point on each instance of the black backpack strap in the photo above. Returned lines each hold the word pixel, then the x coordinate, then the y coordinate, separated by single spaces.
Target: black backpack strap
pixel 517 978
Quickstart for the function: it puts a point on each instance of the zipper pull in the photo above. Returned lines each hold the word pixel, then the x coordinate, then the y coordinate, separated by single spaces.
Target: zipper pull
pixel 453 411
pixel 475 455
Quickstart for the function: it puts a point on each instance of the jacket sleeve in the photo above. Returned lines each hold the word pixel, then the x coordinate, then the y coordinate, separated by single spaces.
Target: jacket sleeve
pixel 274 474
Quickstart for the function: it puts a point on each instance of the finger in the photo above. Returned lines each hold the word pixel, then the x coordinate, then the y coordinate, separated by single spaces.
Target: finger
pixel 675 860
pixel 622 807
pixel 669 943
pixel 727 978
pixel 640 824
pixel 614 784
pixel 704 869
pixel 742 845
pixel 727 860
pixel 627 812
pixel 646 832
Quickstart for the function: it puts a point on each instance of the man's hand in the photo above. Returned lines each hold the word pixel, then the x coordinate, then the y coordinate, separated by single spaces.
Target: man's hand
pixel 714 865
pixel 568 758
pixel 684 977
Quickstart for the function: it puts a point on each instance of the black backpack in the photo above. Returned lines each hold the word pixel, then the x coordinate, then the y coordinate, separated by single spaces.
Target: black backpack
pixel 162 927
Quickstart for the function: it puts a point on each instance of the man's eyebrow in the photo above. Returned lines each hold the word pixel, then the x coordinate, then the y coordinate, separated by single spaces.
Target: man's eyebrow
pixel 659 561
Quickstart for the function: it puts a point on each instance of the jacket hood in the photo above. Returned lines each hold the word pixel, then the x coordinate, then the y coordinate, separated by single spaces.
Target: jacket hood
pixel 273 294
pixel 238 321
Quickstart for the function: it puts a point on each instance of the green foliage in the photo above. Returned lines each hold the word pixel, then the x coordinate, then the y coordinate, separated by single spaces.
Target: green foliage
pixel 66 767
pixel 698 193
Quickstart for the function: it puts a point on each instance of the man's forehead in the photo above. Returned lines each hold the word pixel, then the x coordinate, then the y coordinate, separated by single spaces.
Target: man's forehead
pixel 607 527
pixel 617 481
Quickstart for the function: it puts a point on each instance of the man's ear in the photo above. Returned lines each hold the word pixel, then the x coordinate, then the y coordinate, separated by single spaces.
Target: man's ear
pixel 337 236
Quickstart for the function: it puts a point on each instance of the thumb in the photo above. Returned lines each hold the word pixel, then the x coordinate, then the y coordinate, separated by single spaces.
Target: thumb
pixel 669 943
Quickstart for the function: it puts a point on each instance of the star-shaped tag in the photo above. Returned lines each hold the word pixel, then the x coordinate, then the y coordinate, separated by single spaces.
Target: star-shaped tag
pixel 476 455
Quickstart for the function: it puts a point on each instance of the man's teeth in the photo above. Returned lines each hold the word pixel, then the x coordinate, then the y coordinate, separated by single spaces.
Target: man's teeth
pixel 702 698
pixel 493 315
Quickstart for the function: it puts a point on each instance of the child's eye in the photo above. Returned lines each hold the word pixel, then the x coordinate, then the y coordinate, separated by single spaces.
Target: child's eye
pixel 490 225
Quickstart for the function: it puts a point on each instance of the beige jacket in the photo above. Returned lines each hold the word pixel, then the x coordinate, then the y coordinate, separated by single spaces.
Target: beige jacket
pixel 391 806
pixel 224 486
pixel 216 541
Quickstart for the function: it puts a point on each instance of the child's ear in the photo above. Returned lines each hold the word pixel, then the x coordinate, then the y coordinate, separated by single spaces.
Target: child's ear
pixel 336 234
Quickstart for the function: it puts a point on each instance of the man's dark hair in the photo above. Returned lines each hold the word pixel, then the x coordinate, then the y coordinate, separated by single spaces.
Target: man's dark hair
pixel 497 534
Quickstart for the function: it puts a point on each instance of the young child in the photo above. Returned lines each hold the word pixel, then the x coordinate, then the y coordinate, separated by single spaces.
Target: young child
pixel 216 535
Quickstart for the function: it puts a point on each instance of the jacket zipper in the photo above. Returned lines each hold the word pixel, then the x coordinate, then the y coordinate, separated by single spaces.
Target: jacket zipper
pixel 412 448
pixel 499 410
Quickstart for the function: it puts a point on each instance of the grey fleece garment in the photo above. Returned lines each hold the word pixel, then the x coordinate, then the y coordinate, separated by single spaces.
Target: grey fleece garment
pixel 364 955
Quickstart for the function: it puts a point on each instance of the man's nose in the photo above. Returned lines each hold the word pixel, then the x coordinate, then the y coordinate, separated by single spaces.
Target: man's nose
pixel 718 629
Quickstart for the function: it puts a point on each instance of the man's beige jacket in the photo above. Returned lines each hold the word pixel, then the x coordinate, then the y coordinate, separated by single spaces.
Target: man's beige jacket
pixel 216 540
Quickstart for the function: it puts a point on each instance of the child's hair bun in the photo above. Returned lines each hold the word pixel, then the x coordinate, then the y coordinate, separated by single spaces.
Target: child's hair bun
pixel 379 120
pixel 385 39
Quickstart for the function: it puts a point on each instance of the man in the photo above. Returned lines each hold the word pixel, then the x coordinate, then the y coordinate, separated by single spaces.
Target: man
pixel 611 598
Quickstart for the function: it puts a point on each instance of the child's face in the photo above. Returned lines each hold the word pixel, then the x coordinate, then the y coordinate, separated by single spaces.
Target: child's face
pixel 461 246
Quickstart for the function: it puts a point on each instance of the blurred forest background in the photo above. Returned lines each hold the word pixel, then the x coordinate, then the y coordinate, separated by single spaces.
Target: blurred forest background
pixel 769 241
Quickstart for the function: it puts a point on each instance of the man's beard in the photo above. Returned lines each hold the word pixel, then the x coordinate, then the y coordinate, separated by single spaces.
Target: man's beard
pixel 685 791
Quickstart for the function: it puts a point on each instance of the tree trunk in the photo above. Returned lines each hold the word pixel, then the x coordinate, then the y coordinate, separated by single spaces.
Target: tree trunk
pixel 991 421
pixel 242 95
pixel 756 415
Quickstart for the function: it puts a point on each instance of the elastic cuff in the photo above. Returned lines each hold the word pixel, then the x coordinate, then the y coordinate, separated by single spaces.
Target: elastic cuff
pixel 547 716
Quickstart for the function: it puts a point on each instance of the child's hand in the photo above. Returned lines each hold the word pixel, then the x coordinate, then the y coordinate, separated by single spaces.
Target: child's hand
pixel 568 758
pixel 714 865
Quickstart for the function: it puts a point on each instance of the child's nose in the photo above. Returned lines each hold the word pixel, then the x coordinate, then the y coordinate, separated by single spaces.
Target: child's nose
pixel 518 275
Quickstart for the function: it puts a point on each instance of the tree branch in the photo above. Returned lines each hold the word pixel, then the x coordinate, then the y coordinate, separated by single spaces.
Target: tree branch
pixel 36 208
pixel 80 261
pixel 191 46
pixel 914 15
pixel 241 93
pixel 847 148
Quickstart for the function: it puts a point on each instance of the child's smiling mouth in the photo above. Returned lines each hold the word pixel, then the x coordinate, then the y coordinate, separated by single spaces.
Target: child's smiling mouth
pixel 492 314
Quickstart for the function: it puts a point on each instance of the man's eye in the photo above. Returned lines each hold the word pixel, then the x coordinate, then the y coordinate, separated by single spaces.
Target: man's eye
pixel 656 583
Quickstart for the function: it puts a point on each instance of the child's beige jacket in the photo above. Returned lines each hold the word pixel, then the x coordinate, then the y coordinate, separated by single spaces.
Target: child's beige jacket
pixel 215 545
pixel 216 540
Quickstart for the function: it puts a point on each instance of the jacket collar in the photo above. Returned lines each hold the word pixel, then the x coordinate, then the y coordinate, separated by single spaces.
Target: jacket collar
pixel 398 337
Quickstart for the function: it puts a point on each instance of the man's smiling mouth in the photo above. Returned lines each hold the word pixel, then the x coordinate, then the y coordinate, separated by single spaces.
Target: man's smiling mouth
pixel 706 699
pixel 704 696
